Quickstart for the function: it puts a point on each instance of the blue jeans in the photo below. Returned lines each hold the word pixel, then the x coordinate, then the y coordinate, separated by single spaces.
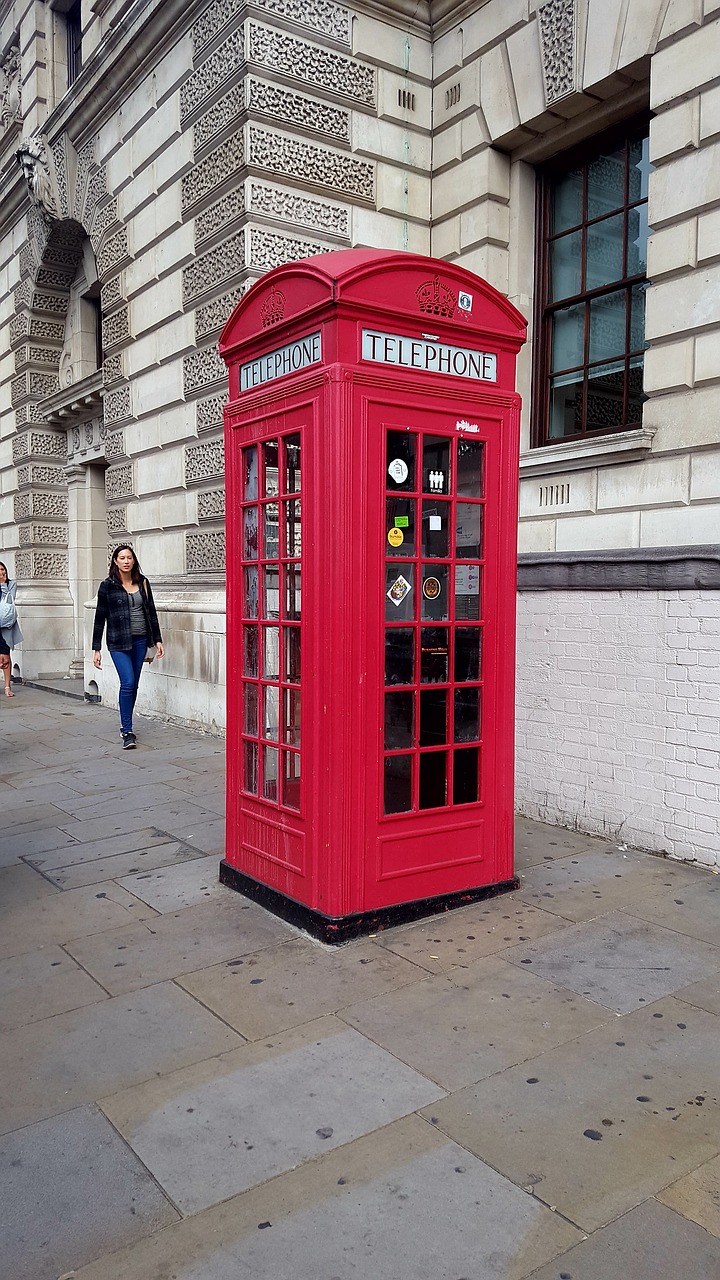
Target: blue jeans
pixel 129 668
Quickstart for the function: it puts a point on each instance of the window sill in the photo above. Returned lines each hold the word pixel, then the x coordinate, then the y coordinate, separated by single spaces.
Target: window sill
pixel 580 455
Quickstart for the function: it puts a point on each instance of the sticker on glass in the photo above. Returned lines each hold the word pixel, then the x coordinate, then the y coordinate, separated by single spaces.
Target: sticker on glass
pixel 396 537
pixel 467 580
pixel 431 588
pixel 435 523
pixel 437 481
pixel 465 301
pixel 402 522
pixel 398 470
pixel 399 590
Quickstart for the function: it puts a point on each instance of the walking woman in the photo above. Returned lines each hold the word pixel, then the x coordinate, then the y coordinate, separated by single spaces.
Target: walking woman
pixel 125 605
pixel 10 633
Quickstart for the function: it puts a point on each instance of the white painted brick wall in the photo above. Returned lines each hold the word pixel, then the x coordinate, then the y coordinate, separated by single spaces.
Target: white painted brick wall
pixel 618 717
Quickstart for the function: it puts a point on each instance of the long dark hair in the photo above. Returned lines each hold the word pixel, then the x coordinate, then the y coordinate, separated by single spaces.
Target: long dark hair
pixel 135 572
pixel 7 575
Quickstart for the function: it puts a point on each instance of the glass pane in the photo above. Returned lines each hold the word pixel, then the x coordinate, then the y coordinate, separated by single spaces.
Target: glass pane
pixel 435 599
pixel 250 533
pixel 250 722
pixel 292 717
pixel 605 396
pixel 566 209
pixel 270 773
pixel 604 262
pixel 607 327
pixel 636 397
pixel 566 266
pixel 400 463
pixel 468 650
pixel 470 469
pixel 640 168
pixel 250 473
pixel 434 654
pixel 293 591
pixel 270 531
pixel 292 463
pixel 466 776
pixel 566 405
pixel 468 537
pixel 293 528
pixel 400 526
pixel 291 780
pixel 637 317
pixel 467 592
pixel 250 648
pixel 272 478
pixel 250 767
pixel 467 715
pixel 436 464
pixel 250 592
pixel 435 529
pixel 638 232
pixel 399 594
pixel 399 655
pixel 433 717
pixel 271 712
pixel 291 637
pixel 568 338
pixel 271 645
pixel 398 784
pixel 606 184
pixel 433 780
pixel 271 592
pixel 399 720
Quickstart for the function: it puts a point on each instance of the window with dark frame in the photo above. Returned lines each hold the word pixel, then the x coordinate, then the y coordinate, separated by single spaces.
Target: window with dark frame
pixel 73 28
pixel 591 289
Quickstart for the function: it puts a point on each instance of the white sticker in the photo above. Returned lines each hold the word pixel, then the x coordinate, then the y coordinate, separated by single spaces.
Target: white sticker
pixel 462 425
pixel 398 470
pixel 467 579
pixel 399 590
pixel 465 301
pixel 435 522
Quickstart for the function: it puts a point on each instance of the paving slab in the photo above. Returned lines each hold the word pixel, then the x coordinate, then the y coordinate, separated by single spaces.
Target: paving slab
pixel 40 984
pixel 75 1058
pixel 91 850
pixel 651 1243
pixel 209 1132
pixel 295 982
pixel 182 942
pixel 53 1222
pixel 118 865
pixel 697 1196
pixel 598 1125
pixel 403 1202
pixel 462 936
pixel 619 961
pixel 462 1026
pixel 539 842
pixel 171 888
pixel 64 916
pixel 149 798
pixel 15 847
pixel 20 885
pixel 704 994
pixel 691 907
pixel 586 885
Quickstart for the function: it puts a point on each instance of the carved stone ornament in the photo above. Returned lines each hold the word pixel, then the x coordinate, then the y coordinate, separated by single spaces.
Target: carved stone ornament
pixel 556 20
pixel 436 299
pixel 32 156
pixel 10 88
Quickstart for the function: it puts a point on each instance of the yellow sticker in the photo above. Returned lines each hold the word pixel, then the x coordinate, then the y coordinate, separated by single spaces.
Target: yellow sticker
pixel 396 537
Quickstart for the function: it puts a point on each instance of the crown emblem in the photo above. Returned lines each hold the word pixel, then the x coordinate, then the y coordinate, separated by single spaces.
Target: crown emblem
pixel 273 308
pixel 435 298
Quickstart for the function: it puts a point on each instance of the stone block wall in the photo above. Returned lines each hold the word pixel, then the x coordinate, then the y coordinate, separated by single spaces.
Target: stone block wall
pixel 618 718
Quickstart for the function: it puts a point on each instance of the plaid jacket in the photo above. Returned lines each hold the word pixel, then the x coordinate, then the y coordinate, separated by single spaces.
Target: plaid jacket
pixel 113 611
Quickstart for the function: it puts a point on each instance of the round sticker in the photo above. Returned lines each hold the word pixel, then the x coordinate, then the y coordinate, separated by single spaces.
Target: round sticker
pixel 431 588
pixel 398 470
pixel 395 537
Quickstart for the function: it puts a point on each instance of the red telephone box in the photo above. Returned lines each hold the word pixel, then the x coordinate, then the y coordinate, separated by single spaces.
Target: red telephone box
pixel 372 437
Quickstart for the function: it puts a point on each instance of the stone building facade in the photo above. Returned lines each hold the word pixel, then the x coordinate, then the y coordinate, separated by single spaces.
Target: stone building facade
pixel 157 157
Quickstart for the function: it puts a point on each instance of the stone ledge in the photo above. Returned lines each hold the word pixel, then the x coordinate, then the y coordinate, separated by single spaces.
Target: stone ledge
pixel 633 569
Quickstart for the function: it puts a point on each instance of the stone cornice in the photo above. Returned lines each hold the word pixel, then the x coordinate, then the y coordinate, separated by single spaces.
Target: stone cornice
pixel 634 569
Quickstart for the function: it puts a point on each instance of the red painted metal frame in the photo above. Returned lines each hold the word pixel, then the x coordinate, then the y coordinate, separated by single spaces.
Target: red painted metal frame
pixel 340 856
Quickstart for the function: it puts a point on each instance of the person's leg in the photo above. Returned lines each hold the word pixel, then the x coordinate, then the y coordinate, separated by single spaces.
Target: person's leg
pixel 6 664
pixel 124 667
pixel 139 650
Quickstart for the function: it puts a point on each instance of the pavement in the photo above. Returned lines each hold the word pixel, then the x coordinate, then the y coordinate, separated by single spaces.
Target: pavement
pixel 192 1089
